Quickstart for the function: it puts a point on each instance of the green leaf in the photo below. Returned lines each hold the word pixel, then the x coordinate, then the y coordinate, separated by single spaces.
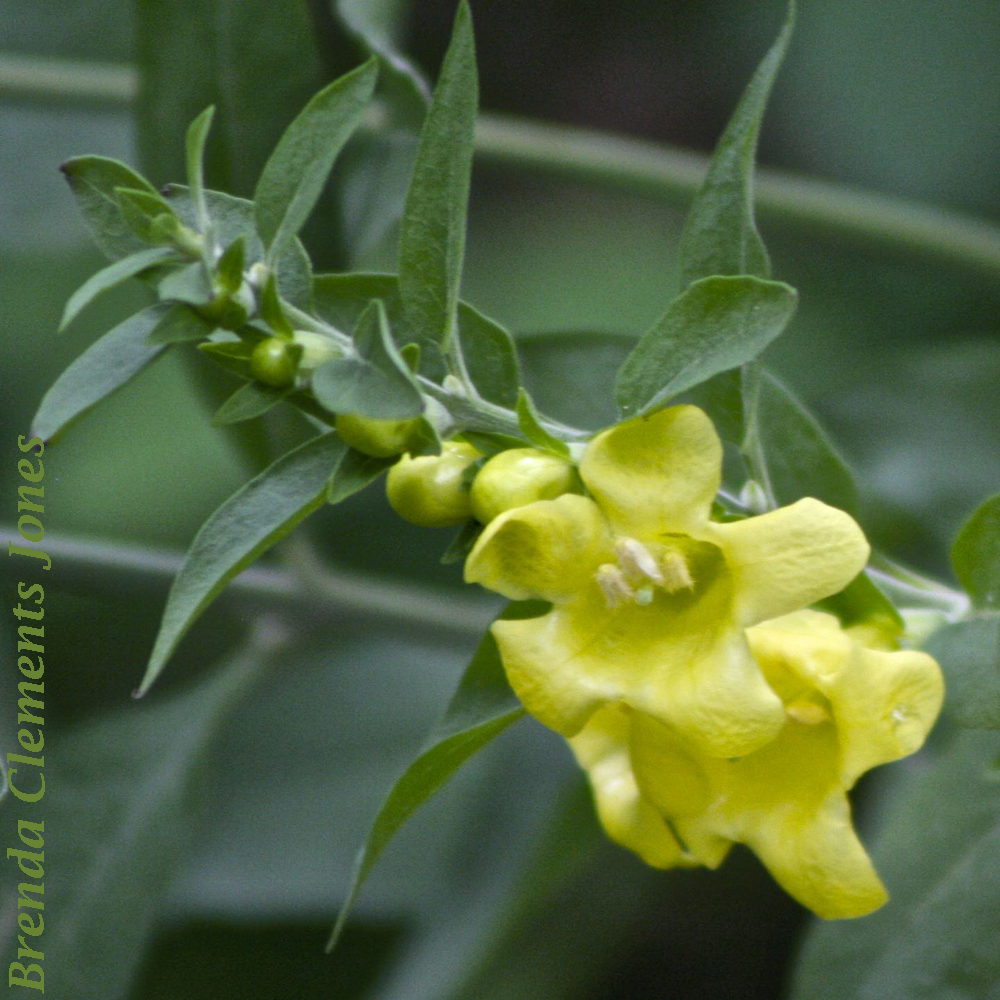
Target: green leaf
pixel 135 784
pixel 969 654
pixel 718 323
pixel 104 367
pixel 190 284
pixel 432 235
pixel 490 355
pixel 110 277
pixel 800 459
pixel 233 218
pixel 194 146
pixel 180 323
pixel 376 382
pixel 976 555
pixel 233 356
pixel 720 235
pixel 461 545
pixel 531 427
pixel 482 708
pixel 354 472
pixel 248 402
pixel 296 171
pixel 252 520
pixel 939 855
pixel 93 180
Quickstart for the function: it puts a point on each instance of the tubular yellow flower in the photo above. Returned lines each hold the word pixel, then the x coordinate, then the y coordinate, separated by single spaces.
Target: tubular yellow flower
pixel 847 709
pixel 650 597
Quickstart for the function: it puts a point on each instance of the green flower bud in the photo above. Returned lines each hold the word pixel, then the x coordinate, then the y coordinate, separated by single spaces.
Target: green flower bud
pixel 316 350
pixel 381 438
pixel 518 477
pixel 273 362
pixel 430 490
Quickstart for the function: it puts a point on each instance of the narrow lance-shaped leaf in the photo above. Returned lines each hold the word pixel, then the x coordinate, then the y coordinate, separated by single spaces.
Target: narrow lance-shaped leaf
pixel 482 708
pixel 138 781
pixel 179 323
pixel 296 171
pixel 432 235
pixel 239 532
pixel 111 277
pixel 976 555
pixel 969 654
pixel 531 426
pixel 354 472
pixel 720 235
pixel 375 382
pixel 248 402
pixel 194 147
pixel 717 324
pixel 93 180
pixel 104 367
pixel 801 460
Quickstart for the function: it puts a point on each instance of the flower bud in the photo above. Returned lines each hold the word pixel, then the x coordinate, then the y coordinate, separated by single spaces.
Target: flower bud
pixel 273 362
pixel 317 349
pixel 429 490
pixel 381 438
pixel 518 477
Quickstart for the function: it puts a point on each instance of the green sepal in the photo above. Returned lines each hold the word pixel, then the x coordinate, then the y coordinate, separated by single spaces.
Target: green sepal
pixel 716 324
pixel 354 472
pixel 111 277
pixel 376 382
pixel 491 444
pixel 410 353
pixel 271 311
pixel 229 269
pixel 294 175
pixel 194 147
pixel 180 323
pixel 102 369
pixel 720 235
pixel 531 426
pixel 461 545
pixel 232 355
pixel 482 708
pixel 93 180
pixel 241 530
pixel 432 232
pixel 975 555
pixel 248 402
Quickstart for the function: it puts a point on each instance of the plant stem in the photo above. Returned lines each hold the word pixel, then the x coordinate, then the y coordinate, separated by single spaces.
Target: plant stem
pixel 109 566
pixel 652 170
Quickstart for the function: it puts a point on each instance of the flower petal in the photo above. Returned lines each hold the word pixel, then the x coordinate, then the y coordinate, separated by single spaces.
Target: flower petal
pixel 547 549
pixel 628 818
pixel 790 558
pixel 678 660
pixel 883 703
pixel 655 474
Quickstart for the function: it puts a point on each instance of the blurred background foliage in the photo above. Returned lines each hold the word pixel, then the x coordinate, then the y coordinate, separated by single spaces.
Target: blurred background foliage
pixel 502 887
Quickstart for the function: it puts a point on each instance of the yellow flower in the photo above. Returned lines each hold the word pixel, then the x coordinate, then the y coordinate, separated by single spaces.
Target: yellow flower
pixel 847 709
pixel 650 598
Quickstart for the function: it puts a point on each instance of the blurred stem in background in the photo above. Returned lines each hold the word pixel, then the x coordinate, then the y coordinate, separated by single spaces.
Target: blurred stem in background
pixel 630 165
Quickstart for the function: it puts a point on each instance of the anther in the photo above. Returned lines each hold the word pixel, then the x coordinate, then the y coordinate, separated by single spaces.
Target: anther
pixel 637 561
pixel 675 572
pixel 612 581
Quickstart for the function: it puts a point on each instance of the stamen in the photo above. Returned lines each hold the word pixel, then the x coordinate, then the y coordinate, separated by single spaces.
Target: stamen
pixel 676 575
pixel 612 581
pixel 637 561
